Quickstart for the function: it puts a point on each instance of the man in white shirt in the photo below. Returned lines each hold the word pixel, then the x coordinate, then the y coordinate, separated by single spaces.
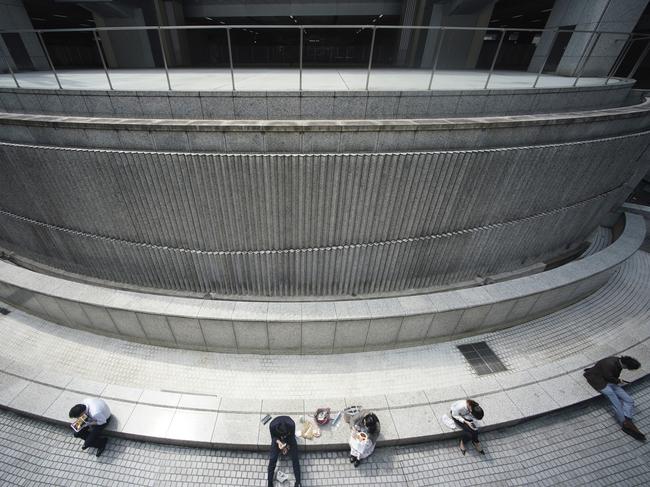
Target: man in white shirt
pixel 97 416
pixel 465 413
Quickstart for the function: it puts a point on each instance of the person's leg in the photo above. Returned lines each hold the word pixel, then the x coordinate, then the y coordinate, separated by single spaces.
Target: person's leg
pixel 82 433
pixel 474 434
pixel 92 439
pixel 467 433
pixel 273 460
pixel 626 401
pixel 610 393
pixel 295 458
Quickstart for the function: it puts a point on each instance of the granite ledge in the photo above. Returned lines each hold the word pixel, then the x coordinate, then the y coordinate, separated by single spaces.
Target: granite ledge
pixel 257 311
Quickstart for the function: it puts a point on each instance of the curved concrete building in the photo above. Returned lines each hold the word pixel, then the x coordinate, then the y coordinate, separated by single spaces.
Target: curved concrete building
pixel 381 203
pixel 412 172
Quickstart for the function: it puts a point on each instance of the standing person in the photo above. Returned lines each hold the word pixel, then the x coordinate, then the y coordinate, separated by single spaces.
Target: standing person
pixel 604 377
pixel 365 431
pixel 465 413
pixel 97 416
pixel 283 440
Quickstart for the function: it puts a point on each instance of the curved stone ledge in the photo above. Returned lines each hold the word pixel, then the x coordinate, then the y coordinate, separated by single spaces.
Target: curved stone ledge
pixel 322 136
pixel 198 398
pixel 313 327
pixel 242 430
pixel 312 105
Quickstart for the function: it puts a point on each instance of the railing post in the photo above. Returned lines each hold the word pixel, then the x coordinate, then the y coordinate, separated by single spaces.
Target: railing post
pixel 301 42
pixel 164 57
pixel 619 60
pixel 494 59
pixel 11 71
pixel 437 55
pixel 640 60
pixel 232 71
pixel 586 60
pixel 101 56
pixel 49 59
pixel 372 48
pixel 548 54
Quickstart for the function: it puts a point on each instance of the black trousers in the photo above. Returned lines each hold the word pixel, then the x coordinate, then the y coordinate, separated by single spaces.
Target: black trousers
pixel 275 453
pixel 468 433
pixel 92 435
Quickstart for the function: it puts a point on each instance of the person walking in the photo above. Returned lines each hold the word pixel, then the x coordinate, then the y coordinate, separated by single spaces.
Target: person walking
pixel 465 413
pixel 363 438
pixel 604 376
pixel 95 415
pixel 283 440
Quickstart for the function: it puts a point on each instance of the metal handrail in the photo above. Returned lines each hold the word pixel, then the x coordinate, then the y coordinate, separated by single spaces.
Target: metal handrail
pixel 631 37
pixel 304 26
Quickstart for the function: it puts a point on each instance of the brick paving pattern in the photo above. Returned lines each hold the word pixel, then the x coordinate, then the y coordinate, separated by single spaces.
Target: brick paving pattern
pixel 580 446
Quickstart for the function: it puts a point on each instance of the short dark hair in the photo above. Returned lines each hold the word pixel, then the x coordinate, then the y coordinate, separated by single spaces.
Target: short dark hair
pixel 77 410
pixel 371 421
pixel 282 429
pixel 477 411
pixel 630 362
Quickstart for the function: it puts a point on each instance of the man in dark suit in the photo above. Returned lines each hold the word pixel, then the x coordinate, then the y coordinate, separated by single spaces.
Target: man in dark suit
pixel 604 377
pixel 283 440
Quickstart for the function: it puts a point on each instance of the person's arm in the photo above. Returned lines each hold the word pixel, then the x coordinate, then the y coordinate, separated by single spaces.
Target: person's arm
pixel 459 410
pixel 611 371
pixel 291 427
pixel 100 420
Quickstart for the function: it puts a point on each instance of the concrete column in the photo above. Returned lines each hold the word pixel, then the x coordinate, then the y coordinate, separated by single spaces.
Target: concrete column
pixel 177 50
pixel 581 56
pixel 464 47
pixel 125 49
pixel 408 18
pixel 23 51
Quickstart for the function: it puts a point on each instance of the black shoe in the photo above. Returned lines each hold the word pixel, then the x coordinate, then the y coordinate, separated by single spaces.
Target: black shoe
pixel 101 449
pixel 84 447
pixel 637 435
pixel 297 484
pixel 353 459
pixel 357 462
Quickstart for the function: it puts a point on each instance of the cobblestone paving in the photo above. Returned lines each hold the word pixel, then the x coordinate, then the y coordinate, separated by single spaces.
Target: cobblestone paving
pixel 580 446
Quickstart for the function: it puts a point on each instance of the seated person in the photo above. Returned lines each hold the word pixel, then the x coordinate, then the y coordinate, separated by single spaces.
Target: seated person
pixel 283 440
pixel 96 415
pixel 465 413
pixel 365 431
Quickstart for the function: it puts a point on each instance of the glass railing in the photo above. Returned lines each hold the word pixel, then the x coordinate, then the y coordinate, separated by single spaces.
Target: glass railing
pixel 317 58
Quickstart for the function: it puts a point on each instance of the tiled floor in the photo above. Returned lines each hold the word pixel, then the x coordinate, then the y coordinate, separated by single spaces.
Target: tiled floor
pixel 288 80
pixel 581 446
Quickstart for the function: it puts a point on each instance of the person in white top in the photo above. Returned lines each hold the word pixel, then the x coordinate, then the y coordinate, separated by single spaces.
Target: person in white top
pixel 465 413
pixel 96 415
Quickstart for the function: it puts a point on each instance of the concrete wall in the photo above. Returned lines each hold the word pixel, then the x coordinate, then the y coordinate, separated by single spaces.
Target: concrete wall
pixel 313 327
pixel 13 16
pixel 312 105
pixel 308 224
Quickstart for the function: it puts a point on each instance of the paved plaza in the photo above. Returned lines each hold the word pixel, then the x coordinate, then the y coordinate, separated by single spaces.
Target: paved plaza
pixel 581 445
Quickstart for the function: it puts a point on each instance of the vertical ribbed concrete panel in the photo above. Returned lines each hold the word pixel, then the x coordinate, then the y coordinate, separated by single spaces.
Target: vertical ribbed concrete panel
pixel 306 225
